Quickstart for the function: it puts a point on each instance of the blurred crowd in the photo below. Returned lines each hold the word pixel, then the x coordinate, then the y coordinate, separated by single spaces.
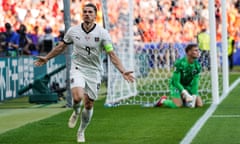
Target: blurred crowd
pixel 172 21
pixel 33 27
pixel 41 13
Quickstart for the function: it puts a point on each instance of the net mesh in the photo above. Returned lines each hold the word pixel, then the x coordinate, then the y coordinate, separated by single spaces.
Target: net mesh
pixel 159 34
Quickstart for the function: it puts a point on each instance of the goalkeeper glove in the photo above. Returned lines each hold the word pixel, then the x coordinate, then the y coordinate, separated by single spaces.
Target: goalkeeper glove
pixel 192 103
pixel 186 95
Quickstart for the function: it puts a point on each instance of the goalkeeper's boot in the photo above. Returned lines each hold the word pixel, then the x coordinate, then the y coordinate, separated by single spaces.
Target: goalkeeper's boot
pixel 73 120
pixel 160 101
pixel 80 137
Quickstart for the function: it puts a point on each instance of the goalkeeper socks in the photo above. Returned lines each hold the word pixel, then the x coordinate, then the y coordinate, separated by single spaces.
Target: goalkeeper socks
pixel 169 103
pixel 85 119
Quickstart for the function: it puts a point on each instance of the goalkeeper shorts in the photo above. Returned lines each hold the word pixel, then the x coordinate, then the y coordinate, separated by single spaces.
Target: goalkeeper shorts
pixel 174 92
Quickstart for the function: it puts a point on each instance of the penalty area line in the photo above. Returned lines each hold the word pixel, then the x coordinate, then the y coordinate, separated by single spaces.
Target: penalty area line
pixel 225 116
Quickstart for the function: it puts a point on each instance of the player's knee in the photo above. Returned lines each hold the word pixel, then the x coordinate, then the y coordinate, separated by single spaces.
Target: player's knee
pixel 199 104
pixel 76 99
pixel 89 104
pixel 178 105
pixel 77 94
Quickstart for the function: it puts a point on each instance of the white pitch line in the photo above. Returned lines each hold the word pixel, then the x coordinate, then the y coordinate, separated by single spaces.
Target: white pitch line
pixel 225 116
pixel 201 121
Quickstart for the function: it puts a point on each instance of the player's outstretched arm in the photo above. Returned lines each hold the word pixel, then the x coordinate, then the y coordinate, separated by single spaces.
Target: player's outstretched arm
pixel 54 52
pixel 127 75
pixel 40 61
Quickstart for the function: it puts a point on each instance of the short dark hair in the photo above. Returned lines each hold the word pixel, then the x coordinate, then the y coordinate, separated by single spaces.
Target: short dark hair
pixel 189 47
pixel 91 5
pixel 8 26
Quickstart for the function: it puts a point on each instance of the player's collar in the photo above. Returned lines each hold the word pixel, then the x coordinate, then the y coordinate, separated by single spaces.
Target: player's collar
pixel 89 30
pixel 188 61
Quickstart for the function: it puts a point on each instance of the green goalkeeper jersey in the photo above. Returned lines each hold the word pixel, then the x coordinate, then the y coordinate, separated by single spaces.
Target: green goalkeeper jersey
pixel 186 75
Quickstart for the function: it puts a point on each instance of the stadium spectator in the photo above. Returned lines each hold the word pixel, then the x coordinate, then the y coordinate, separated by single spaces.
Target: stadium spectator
pixel 24 41
pixel 184 82
pixel 203 40
pixel 237 5
pixel 46 42
pixel 3 48
pixel 88 39
pixel 61 35
pixel 12 41
pixel 34 36
pixel 45 12
pixel 231 49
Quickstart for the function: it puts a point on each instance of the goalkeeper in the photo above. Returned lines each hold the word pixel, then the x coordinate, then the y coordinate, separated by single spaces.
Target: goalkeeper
pixel 184 81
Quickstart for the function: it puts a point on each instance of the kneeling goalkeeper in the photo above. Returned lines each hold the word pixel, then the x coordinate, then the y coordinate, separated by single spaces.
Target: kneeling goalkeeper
pixel 184 81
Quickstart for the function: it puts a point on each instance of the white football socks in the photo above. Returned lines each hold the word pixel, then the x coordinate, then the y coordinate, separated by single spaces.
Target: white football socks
pixel 85 119
pixel 77 107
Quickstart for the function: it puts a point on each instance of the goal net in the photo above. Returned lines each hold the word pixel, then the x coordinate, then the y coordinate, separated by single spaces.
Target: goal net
pixel 122 37
pixel 148 37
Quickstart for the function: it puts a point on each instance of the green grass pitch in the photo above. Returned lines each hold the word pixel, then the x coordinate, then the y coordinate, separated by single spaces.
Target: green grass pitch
pixel 130 124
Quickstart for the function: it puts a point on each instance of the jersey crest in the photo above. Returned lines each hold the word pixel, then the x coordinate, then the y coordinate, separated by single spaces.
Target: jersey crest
pixel 87 38
pixel 96 39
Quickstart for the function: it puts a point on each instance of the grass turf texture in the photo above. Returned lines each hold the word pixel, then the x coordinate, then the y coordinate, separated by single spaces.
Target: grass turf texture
pixel 121 125
pixel 18 112
pixel 223 126
pixel 131 124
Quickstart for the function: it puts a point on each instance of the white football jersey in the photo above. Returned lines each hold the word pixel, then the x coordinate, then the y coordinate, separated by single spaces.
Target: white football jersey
pixel 87 46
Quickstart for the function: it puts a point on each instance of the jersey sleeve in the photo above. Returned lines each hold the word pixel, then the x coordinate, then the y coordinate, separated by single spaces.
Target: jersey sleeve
pixel 195 81
pixel 177 65
pixel 107 42
pixel 67 39
pixel 176 78
pixel 194 84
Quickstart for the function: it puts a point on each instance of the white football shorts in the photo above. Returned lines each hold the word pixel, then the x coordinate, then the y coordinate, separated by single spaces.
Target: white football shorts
pixel 87 81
